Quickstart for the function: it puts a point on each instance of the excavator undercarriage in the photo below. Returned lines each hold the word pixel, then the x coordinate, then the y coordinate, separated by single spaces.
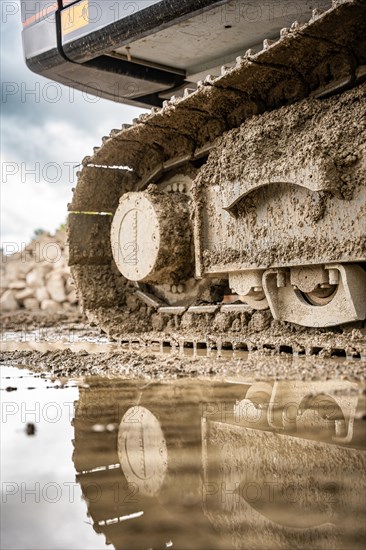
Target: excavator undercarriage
pixel 234 212
pixel 240 203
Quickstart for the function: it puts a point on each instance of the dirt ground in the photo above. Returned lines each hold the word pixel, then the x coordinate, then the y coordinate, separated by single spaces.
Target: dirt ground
pixel 67 346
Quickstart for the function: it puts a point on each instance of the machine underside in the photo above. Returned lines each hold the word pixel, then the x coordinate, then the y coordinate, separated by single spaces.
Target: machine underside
pixel 246 195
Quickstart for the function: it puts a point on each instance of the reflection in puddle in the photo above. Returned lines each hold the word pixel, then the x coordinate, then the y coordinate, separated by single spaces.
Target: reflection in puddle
pixel 188 464
pixel 198 464
pixel 46 342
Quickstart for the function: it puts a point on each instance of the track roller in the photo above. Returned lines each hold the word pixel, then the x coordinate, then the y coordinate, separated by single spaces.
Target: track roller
pixel 321 298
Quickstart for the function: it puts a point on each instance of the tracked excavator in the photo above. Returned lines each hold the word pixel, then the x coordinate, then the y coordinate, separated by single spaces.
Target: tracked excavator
pixel 236 206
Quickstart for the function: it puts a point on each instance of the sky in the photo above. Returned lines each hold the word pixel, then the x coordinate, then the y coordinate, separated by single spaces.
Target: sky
pixel 42 139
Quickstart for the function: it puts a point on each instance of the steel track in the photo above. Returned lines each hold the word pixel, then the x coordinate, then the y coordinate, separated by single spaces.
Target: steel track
pixel 323 57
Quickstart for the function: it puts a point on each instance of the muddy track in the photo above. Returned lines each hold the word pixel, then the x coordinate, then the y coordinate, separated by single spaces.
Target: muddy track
pixel 325 56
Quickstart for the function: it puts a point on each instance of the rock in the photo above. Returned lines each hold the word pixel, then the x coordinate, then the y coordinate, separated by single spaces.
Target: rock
pixel 61 236
pixel 31 303
pixel 18 269
pixel 17 285
pixel 66 274
pixel 38 272
pixel 49 305
pixel 8 301
pixel 35 278
pixel 56 288
pixel 59 264
pixel 49 251
pixel 42 294
pixel 72 297
pixel 24 294
pixel 4 282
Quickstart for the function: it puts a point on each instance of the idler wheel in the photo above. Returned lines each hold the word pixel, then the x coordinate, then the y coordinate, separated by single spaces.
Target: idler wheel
pixel 151 237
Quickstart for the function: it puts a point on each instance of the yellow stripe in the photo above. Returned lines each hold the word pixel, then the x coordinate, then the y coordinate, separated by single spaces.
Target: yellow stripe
pixel 75 17
pixel 51 8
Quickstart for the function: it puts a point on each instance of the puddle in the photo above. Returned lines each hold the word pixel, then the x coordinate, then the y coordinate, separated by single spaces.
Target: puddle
pixel 73 341
pixel 189 464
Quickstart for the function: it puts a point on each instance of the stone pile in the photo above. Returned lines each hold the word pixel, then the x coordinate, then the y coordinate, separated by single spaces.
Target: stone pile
pixel 37 277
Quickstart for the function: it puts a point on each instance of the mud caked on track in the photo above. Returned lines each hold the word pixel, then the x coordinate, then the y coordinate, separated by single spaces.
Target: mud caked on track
pixel 240 220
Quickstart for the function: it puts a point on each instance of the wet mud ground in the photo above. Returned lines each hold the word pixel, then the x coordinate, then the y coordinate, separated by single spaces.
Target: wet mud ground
pixel 141 448
pixel 66 345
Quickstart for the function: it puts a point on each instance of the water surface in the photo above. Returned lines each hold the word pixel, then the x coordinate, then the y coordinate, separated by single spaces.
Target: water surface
pixel 189 464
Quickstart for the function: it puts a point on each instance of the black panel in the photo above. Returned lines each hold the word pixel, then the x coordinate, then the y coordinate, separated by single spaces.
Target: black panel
pixel 136 70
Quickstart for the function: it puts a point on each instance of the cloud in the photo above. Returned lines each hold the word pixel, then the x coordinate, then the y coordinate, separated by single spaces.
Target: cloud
pixel 39 134
pixel 38 174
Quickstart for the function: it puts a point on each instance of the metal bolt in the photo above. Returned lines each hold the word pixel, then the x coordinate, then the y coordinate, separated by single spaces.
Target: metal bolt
pixel 173 289
pixel 175 187
pixel 258 289
pixel 180 289
pixel 182 187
